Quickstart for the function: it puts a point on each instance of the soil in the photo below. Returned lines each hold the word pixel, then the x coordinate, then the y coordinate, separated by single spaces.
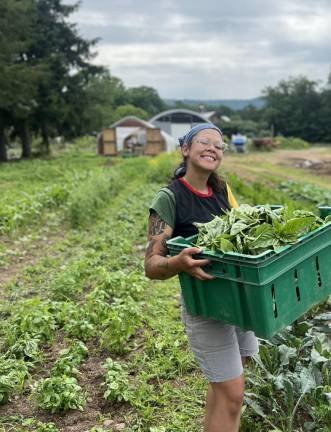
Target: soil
pixel 97 412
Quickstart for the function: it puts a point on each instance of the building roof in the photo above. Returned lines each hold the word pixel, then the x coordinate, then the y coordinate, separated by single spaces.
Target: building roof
pixel 180 111
pixel 208 114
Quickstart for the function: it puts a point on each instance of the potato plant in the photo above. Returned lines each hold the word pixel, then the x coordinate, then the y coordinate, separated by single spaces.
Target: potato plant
pixel 59 393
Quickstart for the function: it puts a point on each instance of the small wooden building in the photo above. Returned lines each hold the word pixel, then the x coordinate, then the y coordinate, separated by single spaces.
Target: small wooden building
pixel 106 142
pixel 135 136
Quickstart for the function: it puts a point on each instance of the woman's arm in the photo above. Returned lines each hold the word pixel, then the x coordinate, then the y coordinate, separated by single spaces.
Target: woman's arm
pixel 158 265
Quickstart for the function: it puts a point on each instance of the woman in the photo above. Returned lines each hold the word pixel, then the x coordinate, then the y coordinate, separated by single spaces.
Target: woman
pixel 195 195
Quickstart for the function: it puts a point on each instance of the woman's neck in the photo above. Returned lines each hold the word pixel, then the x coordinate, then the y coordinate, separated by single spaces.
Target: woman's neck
pixel 198 181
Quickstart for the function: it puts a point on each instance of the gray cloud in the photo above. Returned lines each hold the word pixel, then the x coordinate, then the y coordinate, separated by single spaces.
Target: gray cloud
pixel 214 48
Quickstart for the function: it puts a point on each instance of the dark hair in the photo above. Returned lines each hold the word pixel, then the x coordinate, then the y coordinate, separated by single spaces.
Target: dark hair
pixel 214 180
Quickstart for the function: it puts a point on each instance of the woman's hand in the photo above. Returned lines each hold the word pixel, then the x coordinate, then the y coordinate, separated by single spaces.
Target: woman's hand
pixel 185 262
pixel 158 265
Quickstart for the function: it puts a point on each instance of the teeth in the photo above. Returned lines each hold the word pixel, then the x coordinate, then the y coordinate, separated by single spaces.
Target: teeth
pixel 208 157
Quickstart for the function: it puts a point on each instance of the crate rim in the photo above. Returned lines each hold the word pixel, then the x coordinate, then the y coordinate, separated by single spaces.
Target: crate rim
pixel 262 259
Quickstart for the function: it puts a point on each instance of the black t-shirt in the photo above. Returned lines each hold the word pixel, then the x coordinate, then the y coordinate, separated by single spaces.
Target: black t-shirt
pixel 194 206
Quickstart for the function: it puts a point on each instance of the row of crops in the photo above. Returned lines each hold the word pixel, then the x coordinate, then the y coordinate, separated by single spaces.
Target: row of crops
pixel 88 343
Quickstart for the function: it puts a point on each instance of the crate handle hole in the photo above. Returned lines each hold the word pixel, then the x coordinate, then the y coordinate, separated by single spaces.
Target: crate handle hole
pixel 319 279
pixel 274 303
pixel 297 289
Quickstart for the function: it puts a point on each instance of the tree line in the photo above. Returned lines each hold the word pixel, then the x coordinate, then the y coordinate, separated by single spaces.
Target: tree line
pixel 50 87
pixel 295 107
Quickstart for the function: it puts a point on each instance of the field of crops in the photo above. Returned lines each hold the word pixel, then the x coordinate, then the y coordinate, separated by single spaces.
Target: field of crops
pixel 87 343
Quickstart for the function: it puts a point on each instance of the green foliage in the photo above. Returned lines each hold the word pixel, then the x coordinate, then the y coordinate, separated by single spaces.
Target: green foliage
pixel 89 197
pixel 69 359
pixel 162 167
pixel 20 424
pixel 30 207
pixel 123 321
pixel 117 382
pixel 291 143
pixel 13 375
pixel 26 347
pixel 254 230
pixel 128 110
pixel 294 106
pixel 307 192
pixel 287 377
pixel 59 393
pixel 80 328
pixel 32 318
pixel 85 142
pixel 146 98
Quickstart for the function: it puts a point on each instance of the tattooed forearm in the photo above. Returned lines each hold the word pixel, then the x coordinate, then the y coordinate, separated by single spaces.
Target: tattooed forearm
pixel 164 243
pixel 156 225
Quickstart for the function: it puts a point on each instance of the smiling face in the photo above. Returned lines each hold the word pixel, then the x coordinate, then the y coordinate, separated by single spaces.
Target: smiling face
pixel 204 152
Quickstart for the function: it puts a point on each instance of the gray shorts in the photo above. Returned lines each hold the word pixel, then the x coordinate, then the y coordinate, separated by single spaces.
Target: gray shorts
pixel 218 347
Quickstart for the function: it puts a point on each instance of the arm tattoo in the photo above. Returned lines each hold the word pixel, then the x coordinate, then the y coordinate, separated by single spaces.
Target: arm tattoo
pixel 164 243
pixel 150 247
pixel 157 225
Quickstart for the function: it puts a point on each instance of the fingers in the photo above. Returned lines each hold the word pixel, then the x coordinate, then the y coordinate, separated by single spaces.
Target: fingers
pixel 200 263
pixel 201 275
pixel 191 251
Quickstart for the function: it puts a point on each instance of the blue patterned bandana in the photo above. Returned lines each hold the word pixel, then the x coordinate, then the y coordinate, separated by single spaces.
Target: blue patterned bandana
pixel 187 139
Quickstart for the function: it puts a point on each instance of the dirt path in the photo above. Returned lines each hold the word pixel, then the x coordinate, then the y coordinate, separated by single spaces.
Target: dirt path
pixel 312 165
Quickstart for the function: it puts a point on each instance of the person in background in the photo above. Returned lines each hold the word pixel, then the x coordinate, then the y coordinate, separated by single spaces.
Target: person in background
pixel 239 142
pixel 197 194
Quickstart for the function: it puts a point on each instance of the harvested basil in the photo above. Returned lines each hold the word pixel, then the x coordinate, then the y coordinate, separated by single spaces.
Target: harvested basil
pixel 253 230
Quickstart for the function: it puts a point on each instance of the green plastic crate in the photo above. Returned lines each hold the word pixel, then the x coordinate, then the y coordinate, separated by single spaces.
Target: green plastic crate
pixel 265 292
pixel 324 211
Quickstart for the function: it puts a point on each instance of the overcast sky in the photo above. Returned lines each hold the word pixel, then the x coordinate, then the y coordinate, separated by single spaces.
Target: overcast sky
pixel 209 48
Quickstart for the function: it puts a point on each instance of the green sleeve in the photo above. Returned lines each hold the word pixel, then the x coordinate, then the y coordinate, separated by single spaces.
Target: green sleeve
pixel 165 206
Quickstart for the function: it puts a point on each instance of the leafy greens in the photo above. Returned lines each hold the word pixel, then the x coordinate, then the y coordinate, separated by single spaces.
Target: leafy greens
pixel 253 230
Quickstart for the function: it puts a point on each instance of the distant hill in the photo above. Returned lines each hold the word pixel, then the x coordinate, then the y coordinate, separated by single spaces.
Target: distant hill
pixel 235 104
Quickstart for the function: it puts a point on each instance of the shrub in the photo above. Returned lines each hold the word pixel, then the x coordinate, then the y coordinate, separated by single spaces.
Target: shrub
pixel 161 168
pixel 291 143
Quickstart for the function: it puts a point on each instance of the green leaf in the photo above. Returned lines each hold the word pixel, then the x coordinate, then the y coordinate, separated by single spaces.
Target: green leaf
pixel 286 353
pixel 237 227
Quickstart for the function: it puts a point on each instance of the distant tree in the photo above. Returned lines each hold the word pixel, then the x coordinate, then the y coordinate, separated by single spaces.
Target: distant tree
pixel 104 93
pixel 224 110
pixel 293 108
pixel 146 98
pixel 128 110
pixel 250 112
pixel 325 113
pixel 245 127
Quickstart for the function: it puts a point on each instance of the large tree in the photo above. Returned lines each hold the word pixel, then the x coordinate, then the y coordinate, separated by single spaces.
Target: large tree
pixel 146 98
pixel 18 78
pixel 293 108
pixel 61 96
pixel 104 94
